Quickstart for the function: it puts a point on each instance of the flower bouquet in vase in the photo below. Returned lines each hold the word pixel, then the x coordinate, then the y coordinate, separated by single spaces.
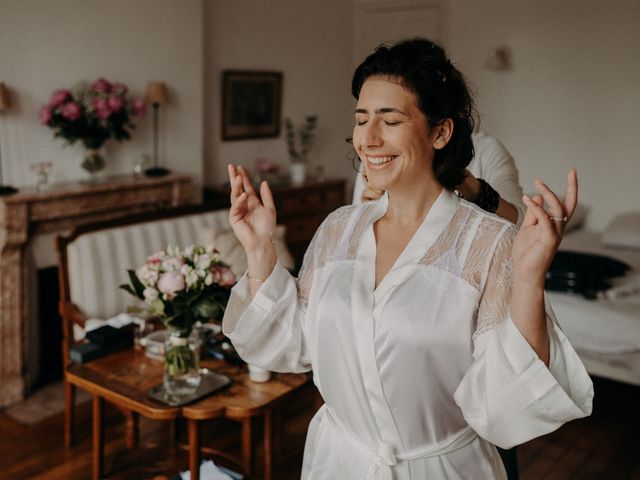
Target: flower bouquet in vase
pixel 182 287
pixel 92 115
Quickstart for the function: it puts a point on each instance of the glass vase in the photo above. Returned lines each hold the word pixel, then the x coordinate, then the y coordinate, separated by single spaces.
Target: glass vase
pixel 181 362
pixel 94 162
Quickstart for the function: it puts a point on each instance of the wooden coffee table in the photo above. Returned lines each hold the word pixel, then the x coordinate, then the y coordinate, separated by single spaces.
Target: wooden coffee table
pixel 123 378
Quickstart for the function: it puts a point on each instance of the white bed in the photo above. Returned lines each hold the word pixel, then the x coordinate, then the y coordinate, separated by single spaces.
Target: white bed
pixel 604 332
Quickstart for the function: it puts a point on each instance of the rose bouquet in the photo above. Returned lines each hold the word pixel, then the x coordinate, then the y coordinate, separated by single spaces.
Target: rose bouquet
pixel 182 287
pixel 92 114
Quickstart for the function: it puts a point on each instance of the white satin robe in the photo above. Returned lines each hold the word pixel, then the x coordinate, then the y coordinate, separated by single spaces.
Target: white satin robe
pixel 423 374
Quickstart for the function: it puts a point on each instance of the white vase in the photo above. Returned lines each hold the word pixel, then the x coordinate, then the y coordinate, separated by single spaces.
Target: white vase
pixel 258 374
pixel 298 173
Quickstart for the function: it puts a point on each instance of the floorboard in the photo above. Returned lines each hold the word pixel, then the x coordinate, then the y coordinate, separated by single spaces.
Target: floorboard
pixel 603 446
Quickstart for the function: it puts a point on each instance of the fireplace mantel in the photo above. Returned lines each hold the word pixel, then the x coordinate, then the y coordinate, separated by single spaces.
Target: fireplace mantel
pixel 65 206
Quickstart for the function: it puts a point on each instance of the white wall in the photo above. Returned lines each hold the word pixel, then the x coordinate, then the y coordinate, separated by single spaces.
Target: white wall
pixel 310 42
pixel 573 96
pixel 46 45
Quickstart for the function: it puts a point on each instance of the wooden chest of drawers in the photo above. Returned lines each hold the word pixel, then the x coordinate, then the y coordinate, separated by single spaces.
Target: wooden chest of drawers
pixel 301 208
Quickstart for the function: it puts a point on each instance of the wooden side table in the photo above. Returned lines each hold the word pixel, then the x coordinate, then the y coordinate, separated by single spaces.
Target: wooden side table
pixel 123 378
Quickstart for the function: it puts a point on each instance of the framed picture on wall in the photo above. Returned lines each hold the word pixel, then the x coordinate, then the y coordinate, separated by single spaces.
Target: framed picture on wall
pixel 251 104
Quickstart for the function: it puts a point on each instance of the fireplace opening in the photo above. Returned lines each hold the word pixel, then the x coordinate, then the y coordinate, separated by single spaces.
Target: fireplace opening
pixel 50 328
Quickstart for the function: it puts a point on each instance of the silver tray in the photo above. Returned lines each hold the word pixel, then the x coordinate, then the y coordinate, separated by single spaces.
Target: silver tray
pixel 210 382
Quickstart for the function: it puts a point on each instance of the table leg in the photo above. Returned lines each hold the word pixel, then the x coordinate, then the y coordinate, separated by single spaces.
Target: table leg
pixel 194 449
pixel 98 437
pixel 268 443
pixel 247 453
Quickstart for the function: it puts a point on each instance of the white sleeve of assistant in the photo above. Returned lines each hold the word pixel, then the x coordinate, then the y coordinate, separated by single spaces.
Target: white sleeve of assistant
pixel 496 166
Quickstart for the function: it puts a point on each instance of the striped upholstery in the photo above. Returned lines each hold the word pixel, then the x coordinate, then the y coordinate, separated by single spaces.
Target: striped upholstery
pixel 98 261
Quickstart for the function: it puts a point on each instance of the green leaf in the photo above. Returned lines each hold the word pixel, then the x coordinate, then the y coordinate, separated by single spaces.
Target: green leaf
pixel 129 289
pixel 137 284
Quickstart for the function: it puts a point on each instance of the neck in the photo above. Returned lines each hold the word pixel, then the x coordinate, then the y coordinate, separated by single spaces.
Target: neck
pixel 411 205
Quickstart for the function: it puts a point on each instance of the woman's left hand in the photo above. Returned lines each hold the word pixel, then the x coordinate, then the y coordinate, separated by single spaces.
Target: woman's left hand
pixel 542 229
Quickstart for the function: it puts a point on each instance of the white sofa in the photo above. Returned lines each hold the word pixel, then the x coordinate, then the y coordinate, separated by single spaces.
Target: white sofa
pixel 98 260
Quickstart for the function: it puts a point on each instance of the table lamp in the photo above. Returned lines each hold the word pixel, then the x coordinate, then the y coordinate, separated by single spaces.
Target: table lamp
pixel 156 96
pixel 5 104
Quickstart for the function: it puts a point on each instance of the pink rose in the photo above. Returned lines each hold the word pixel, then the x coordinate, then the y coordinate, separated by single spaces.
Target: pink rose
pixel 139 107
pixel 102 108
pixel 115 103
pixel 170 283
pixel 71 111
pixel 59 97
pixel 119 88
pixel 45 115
pixel 101 85
pixel 223 276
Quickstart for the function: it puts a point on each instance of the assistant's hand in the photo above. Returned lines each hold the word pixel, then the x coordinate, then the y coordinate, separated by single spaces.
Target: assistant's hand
pixel 540 234
pixel 369 193
pixel 252 219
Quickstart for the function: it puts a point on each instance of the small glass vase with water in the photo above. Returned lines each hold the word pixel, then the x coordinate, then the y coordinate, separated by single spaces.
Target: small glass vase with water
pixel 181 363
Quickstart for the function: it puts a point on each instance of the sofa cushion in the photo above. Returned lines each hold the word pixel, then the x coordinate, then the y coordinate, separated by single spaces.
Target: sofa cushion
pixel 232 253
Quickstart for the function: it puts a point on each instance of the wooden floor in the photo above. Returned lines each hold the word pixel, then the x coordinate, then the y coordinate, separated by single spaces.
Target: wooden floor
pixel 605 445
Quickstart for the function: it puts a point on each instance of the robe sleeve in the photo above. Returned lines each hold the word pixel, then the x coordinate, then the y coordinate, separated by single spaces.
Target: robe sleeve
pixel 508 395
pixel 268 330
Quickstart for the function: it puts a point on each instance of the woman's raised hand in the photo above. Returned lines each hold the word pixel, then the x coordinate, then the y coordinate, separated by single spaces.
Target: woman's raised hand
pixel 252 219
pixel 542 229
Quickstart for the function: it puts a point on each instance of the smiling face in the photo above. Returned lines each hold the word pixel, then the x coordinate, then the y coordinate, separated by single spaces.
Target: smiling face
pixel 392 136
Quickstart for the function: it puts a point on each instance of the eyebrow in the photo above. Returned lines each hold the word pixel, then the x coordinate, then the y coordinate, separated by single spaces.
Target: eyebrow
pixel 381 111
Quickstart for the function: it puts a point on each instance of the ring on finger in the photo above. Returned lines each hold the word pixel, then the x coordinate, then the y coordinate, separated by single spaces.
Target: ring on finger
pixel 559 219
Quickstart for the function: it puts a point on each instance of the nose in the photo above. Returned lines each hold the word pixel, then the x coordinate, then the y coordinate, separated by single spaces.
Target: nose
pixel 371 135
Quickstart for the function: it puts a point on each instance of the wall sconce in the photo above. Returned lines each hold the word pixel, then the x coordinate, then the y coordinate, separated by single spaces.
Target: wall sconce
pixel 498 59
pixel 5 104
pixel 156 95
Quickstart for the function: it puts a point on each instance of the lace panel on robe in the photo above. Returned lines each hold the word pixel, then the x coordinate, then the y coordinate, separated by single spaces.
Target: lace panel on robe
pixel 475 247
pixel 337 239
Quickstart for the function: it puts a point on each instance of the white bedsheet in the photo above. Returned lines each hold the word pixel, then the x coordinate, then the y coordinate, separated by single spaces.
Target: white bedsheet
pixel 605 333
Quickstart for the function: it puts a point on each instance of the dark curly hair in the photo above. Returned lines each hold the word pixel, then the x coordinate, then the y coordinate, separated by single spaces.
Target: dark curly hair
pixel 423 68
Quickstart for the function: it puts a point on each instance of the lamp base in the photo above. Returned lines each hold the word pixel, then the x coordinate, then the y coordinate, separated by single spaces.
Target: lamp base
pixel 7 190
pixel 157 172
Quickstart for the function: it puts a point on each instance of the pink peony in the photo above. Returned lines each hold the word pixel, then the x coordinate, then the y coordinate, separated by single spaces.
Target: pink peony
pixel 223 276
pixel 101 85
pixel 45 114
pixel 71 111
pixel 170 283
pixel 139 107
pixel 115 103
pixel 59 97
pixel 102 108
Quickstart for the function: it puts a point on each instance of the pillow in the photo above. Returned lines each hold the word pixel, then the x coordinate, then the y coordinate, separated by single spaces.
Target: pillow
pixel 232 253
pixel 623 231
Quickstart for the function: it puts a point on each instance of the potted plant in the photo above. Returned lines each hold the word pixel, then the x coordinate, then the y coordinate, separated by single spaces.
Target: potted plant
pixel 92 115
pixel 182 287
pixel 299 142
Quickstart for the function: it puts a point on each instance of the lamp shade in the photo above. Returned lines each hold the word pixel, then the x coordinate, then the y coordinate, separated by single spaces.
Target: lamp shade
pixel 157 93
pixel 5 103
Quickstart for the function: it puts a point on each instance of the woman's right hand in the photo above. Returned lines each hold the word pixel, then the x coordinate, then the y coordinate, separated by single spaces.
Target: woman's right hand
pixel 253 221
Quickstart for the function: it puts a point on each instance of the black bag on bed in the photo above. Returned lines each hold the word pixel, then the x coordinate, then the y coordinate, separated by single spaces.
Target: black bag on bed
pixel 582 273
